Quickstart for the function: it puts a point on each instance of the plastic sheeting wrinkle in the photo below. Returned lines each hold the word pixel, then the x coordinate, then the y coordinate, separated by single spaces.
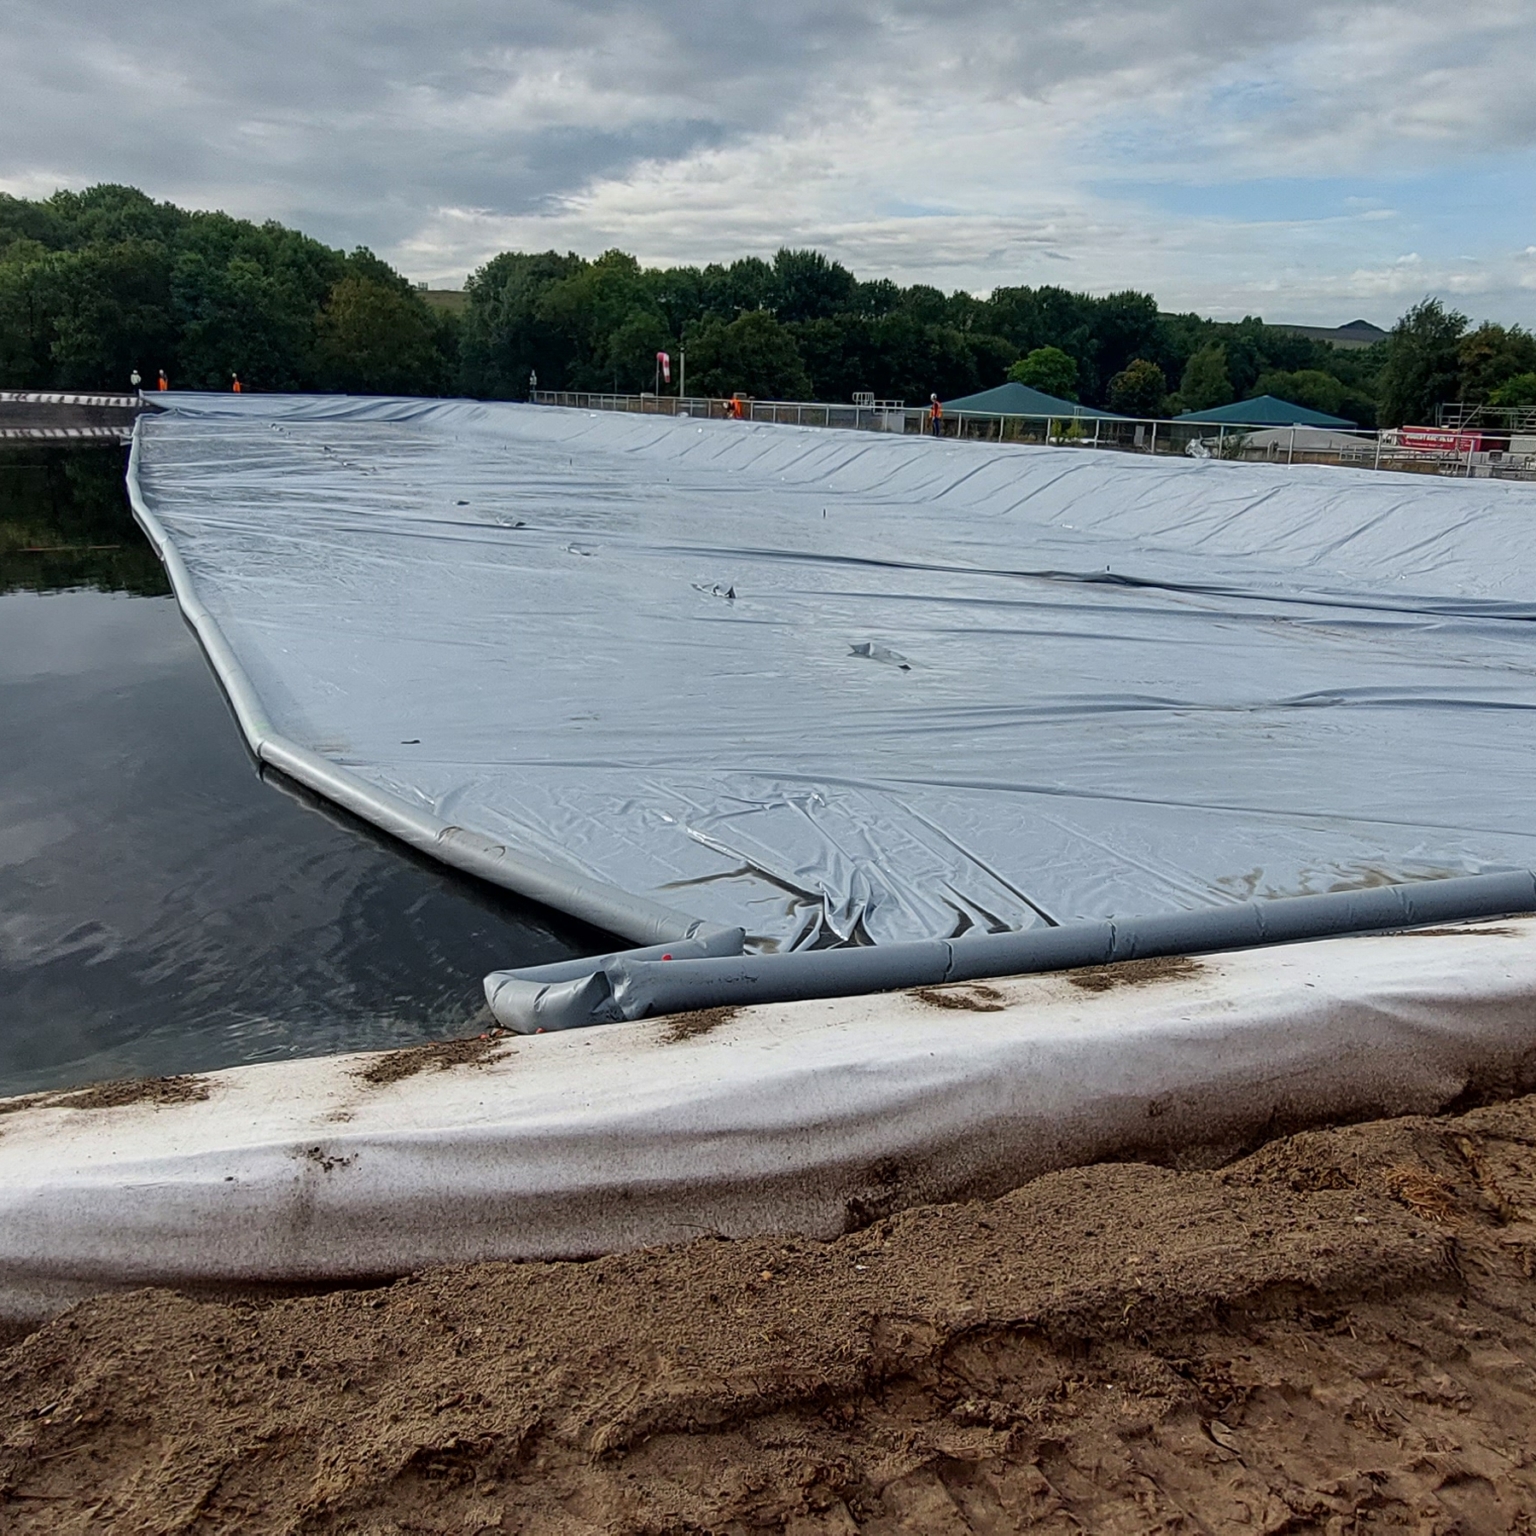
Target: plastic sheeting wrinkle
pixel 488 643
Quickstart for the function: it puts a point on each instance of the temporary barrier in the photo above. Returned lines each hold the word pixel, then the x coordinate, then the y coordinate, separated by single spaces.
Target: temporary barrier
pixel 809 1117
pixel 967 703
pixel 641 983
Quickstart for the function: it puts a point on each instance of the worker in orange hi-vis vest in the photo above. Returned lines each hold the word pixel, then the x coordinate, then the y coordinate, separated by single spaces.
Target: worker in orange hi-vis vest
pixel 935 414
pixel 164 383
pixel 237 386
pixel 733 408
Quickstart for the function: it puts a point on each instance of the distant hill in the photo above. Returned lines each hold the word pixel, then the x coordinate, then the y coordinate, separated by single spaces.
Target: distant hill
pixel 1356 333
pixel 451 301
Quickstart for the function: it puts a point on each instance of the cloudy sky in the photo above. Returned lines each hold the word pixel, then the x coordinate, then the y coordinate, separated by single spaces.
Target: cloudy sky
pixel 1310 162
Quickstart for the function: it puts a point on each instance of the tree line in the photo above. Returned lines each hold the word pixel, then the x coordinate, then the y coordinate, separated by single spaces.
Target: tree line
pixel 96 284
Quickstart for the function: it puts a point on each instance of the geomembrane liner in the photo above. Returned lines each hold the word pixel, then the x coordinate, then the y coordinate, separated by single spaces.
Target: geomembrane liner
pixel 841 688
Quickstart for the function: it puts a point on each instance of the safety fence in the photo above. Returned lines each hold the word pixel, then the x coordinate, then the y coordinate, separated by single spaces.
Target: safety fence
pixel 876 416
pixel 1509 420
pixel 64 416
pixel 70 397
pixel 52 434
pixel 1434 451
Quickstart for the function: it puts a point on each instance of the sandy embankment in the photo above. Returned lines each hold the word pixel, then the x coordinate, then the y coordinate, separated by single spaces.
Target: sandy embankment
pixel 1337 1332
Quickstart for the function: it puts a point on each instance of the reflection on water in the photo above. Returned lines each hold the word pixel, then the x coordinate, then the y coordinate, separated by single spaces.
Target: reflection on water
pixel 64 523
pixel 161 908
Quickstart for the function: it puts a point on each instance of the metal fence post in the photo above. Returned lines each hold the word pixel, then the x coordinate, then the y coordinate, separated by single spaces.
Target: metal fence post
pixel 1290 452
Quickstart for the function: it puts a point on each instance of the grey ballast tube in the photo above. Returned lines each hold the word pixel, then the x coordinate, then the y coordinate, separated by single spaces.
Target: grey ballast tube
pixel 643 983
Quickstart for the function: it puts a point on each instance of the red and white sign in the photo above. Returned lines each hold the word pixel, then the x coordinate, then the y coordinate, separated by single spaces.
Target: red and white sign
pixel 1440 440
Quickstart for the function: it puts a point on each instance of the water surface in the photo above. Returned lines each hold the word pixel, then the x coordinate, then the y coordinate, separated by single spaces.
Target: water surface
pixel 166 906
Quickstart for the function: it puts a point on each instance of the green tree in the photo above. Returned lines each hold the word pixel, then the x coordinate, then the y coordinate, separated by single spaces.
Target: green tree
pixel 1518 391
pixel 1489 357
pixel 113 215
pixel 1311 387
pixel 33 224
pixel 1423 365
pixel 1049 370
pixel 743 286
pixel 839 356
pixel 505 333
pixel 1139 389
pixel 806 286
pixel 1103 335
pixel 873 299
pixel 909 359
pixel 589 308
pixel 97 283
pixel 236 318
pixel 1318 391
pixel 110 311
pixel 677 293
pixel 375 339
pixel 26 323
pixel 1124 326
pixel 629 356
pixel 1254 349
pixel 897 357
pixel 1206 383
pixel 752 355
pixel 924 304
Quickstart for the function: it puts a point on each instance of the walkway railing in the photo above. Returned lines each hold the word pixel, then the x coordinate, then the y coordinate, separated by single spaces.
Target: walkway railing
pixel 1508 420
pixel 1420 451
pixel 880 416
pixel 64 416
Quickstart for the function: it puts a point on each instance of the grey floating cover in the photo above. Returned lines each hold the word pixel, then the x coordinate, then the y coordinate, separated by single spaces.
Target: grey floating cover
pixel 682 676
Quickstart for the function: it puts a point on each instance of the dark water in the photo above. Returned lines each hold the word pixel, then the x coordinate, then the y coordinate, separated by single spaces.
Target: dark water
pixel 165 906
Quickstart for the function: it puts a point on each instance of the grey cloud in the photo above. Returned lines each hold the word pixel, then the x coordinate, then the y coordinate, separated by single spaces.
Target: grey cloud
pixel 360 121
pixel 359 113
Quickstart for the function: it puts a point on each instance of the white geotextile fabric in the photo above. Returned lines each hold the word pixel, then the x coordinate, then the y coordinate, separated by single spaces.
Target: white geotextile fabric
pixel 833 686
pixel 791 1117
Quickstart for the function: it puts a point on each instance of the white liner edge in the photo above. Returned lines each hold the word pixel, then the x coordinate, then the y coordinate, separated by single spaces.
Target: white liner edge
pixel 631 917
pixel 806 1117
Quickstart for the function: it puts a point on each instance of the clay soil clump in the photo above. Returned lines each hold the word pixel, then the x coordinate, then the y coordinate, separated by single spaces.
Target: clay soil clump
pixel 1335 1334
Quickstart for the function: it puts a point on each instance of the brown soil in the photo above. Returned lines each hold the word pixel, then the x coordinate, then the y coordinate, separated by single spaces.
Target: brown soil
pixel 26 1101
pixel 1133 973
pixel 689 1026
pixel 436 1055
pixel 1451 933
pixel 141 1090
pixel 972 998
pixel 1333 1335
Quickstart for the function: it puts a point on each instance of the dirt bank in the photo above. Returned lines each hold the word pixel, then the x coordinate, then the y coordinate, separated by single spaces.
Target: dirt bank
pixel 1335 1334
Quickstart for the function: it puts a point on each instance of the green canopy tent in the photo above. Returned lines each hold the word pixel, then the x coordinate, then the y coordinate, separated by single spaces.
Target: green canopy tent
pixel 1265 411
pixel 1020 400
